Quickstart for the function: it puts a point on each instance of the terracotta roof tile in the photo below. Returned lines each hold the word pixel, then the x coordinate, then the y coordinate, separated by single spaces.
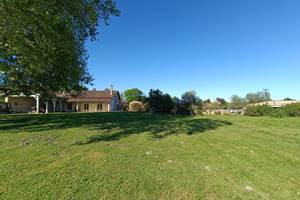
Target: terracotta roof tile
pixel 92 95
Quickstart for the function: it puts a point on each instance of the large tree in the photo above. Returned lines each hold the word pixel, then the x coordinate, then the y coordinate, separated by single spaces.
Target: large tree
pixel 42 43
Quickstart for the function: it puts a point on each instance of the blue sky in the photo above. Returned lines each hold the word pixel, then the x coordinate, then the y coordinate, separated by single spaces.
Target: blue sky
pixel 216 47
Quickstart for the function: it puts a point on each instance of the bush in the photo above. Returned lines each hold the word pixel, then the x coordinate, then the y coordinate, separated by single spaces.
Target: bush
pixel 257 111
pixel 292 110
pixel 197 110
pixel 183 108
pixel 136 106
pixel 278 112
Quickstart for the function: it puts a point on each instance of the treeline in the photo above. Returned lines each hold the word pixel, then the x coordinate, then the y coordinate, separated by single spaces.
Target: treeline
pixel 250 98
pixel 191 104
pixel 159 102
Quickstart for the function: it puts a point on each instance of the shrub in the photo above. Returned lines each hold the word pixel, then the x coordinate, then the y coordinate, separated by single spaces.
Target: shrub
pixel 182 107
pixel 277 112
pixel 257 111
pixel 197 110
pixel 292 110
pixel 136 106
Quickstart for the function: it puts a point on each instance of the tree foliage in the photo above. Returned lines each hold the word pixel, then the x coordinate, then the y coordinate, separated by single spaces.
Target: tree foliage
pixel 190 104
pixel 288 99
pixel 133 95
pixel 259 96
pixel 237 101
pixel 221 100
pixel 160 102
pixel 190 96
pixel 42 43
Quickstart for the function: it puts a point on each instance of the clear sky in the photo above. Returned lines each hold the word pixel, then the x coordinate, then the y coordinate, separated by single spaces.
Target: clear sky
pixel 216 47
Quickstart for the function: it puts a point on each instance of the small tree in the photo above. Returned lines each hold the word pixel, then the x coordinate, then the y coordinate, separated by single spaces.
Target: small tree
pixel 237 101
pixel 189 104
pixel 133 95
pixel 221 101
pixel 190 96
pixel 259 96
pixel 183 107
pixel 160 102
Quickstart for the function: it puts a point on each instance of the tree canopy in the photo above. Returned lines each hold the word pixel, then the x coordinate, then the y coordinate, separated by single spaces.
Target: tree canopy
pixel 160 102
pixel 259 96
pixel 191 97
pixel 237 101
pixel 42 43
pixel 133 95
pixel 221 100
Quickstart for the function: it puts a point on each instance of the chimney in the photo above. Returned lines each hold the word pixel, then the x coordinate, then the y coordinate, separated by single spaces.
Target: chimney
pixel 111 89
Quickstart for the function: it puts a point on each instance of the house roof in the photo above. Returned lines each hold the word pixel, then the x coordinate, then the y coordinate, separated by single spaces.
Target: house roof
pixel 104 96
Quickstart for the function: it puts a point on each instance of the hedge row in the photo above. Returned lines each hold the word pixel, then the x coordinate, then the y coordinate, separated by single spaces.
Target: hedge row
pixel 292 110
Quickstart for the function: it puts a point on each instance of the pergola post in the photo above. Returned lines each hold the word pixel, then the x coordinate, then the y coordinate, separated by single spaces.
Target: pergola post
pixel 47 106
pixel 37 99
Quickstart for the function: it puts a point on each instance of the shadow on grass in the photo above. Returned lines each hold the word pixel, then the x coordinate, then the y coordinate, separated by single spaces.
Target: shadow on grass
pixel 113 126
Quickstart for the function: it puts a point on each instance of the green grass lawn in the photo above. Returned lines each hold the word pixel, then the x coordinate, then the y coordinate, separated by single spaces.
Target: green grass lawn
pixel 144 156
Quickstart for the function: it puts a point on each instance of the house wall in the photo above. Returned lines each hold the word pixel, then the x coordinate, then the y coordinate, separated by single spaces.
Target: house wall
pixel 21 104
pixel 93 107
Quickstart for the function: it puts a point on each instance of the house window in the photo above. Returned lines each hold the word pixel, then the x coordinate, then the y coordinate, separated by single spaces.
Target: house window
pixel 99 106
pixel 86 106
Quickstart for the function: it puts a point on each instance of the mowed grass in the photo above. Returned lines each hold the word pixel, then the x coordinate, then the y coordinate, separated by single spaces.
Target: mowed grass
pixel 145 156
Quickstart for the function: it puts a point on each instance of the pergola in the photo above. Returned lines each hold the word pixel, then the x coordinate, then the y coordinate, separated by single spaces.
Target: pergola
pixel 37 103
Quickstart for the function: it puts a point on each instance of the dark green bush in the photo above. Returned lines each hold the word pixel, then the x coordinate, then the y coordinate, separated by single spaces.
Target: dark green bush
pixel 183 108
pixel 160 102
